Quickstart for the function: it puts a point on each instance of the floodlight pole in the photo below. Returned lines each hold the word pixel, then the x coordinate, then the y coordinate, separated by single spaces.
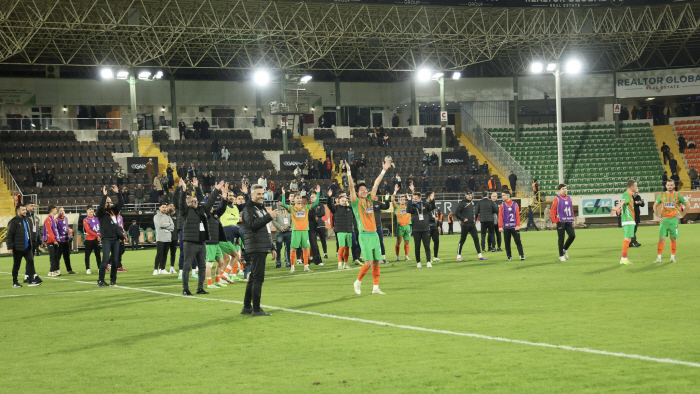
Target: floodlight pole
pixel 443 124
pixel 134 115
pixel 560 148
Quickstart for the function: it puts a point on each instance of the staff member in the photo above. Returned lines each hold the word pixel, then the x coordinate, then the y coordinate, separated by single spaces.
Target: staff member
pixel 91 227
pixel 111 233
pixel 466 214
pixel 485 214
pixel 638 203
pixel 164 228
pixel 50 238
pixel 65 238
pixel 283 235
pixel 20 245
pixel 258 243
pixel 420 221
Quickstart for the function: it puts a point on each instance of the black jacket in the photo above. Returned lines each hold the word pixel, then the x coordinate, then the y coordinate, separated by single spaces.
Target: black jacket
pixel 15 234
pixel 422 208
pixel 637 218
pixel 216 230
pixel 175 218
pixel 343 219
pixel 256 236
pixel 486 210
pixel 378 207
pixel 315 217
pixel 465 210
pixel 107 228
pixel 193 217
pixel 433 215
pixel 179 222
pixel 34 225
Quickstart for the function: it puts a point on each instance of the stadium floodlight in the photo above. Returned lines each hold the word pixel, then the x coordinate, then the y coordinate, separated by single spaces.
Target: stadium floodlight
pixel 261 77
pixel 424 74
pixel 651 99
pixel 158 75
pixel 437 76
pixel 551 67
pixel 456 75
pixel 122 74
pixel 306 78
pixel 536 67
pixel 107 73
pixel 573 67
pixel 144 75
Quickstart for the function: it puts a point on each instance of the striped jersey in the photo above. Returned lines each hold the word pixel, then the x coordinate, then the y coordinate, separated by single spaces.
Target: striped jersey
pixel 670 202
pixel 402 217
pixel 627 214
pixel 364 214
pixel 300 215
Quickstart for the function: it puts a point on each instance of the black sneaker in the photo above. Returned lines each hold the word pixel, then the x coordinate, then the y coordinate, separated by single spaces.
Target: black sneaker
pixel 499 250
pixel 522 257
pixel 101 283
pixel 36 282
pixel 246 311
pixel 26 279
pixel 260 313
pixel 510 258
pixel 287 264
pixel 72 272
pixel 278 265
pixel 361 261
pixel 113 284
pixel 16 285
pixel 325 255
pixel 186 292
pixel 202 291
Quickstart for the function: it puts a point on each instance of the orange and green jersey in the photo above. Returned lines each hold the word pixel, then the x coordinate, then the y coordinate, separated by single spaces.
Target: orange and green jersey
pixel 364 214
pixel 670 202
pixel 403 218
pixel 300 215
pixel 627 214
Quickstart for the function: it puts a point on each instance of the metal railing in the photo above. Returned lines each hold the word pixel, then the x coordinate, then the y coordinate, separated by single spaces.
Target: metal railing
pixel 62 124
pixel 494 153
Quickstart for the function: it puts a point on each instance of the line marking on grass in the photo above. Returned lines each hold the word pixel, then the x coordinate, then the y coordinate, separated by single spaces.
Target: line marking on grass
pixel 55 293
pixel 422 329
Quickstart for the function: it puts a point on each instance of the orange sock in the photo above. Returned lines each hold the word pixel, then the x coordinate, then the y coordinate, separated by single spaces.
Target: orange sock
pixel 346 255
pixel 218 279
pixel 209 282
pixel 340 254
pixel 363 271
pixel 660 248
pixel 406 248
pixel 625 248
pixel 293 256
pixel 375 275
pixel 673 247
pixel 305 255
pixel 228 269
pixel 396 248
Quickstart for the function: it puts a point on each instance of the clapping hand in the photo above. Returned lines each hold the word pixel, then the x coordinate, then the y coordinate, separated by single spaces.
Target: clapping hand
pixel 244 188
pixel 195 182
pixel 386 165
pixel 218 185
pixel 115 189
pixel 104 190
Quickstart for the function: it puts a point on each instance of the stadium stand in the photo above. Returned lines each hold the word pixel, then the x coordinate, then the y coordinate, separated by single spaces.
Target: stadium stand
pixel 595 162
pixel 690 130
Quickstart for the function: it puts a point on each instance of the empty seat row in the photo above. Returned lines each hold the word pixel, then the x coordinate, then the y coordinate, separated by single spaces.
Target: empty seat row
pixel 36 135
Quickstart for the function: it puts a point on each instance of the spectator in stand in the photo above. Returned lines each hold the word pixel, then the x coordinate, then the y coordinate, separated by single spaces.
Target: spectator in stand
pixel 205 128
pixel 426 159
pixel 119 174
pixel 691 143
pixel 150 169
pixel 206 182
pixel 171 178
pixel 425 185
pixel 492 184
pixel 37 176
pixel 457 184
pixel 681 143
pixel 125 194
pixel 135 234
pixel 245 180
pixel 536 190
pixel 693 175
pixel 182 171
pixel 474 168
pixel 138 196
pixel 351 155
pixel 329 168
pixel 434 159
pixel 386 186
pixel 182 128
pixel 297 173
pixel 471 184
pixel 157 184
pixel 293 186
pixel 673 164
pixel 675 178
pixel 49 179
pixel 395 120
pixel 215 149
pixel 397 180
pixel 272 186
pixel 197 126
pixel 449 185
pixel 225 154
pixel 262 181
pixel 306 169
pixel 664 179
pixel 154 195
pixel 321 167
pixel 426 170
pixel 484 169
pixel 513 180
pixel 666 152
pixel 385 141
pixel 192 171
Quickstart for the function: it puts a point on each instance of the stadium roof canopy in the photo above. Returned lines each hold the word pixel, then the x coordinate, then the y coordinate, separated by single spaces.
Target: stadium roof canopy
pixel 362 40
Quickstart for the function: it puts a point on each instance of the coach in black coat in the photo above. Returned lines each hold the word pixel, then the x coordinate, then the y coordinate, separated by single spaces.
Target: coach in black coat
pixel 258 243
pixel 20 244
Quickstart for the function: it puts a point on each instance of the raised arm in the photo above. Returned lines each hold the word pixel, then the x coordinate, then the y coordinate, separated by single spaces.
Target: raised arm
pixel 351 183
pixel 212 197
pixel 103 202
pixel 329 202
pixel 283 203
pixel 385 166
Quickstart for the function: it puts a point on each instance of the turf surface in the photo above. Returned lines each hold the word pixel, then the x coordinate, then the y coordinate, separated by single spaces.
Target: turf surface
pixel 70 336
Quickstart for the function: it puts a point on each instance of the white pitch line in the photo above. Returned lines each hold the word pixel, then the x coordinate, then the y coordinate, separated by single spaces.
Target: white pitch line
pixel 423 329
pixel 55 293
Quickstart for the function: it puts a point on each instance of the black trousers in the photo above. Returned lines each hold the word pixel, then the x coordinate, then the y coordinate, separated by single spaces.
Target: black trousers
pixel 37 242
pixel 116 259
pixel 531 223
pixel 424 238
pixel 313 243
pixel 321 231
pixel 486 226
pixel 253 290
pixel 28 256
pixel 435 236
pixel 161 254
pixel 507 234
pixel 468 230
pixel 64 250
pixel 110 247
pixel 565 228
pixel 92 247
pixel 134 243
pixel 54 257
pixel 497 242
pixel 173 249
pixel 450 228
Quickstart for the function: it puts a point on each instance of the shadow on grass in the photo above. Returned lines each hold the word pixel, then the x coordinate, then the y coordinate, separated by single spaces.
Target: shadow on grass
pixel 335 301
pixel 535 265
pixel 600 271
pixel 650 267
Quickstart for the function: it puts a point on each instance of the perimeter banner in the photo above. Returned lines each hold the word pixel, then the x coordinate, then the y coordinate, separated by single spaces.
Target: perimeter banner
pixel 291 161
pixel 658 82
pixel 137 165
pixel 454 158
pixel 600 206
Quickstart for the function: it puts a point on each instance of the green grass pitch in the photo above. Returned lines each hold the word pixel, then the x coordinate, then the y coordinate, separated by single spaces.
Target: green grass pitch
pixel 69 336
